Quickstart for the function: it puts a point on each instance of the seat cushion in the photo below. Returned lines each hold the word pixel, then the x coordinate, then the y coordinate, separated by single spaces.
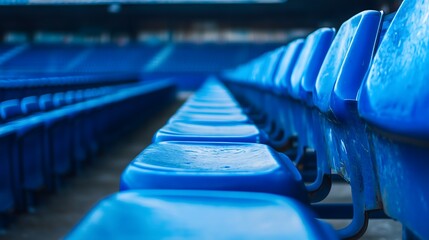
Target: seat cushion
pixel 181 131
pixel 199 215
pixel 211 104
pixel 214 166
pixel 223 110
pixel 210 118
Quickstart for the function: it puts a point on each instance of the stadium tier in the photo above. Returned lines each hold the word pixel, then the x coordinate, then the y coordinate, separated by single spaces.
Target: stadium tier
pixel 267 133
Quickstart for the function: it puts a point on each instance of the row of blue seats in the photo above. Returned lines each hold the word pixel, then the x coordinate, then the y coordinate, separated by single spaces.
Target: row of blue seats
pixel 101 58
pixel 343 98
pixel 72 58
pixel 207 174
pixel 17 108
pixel 55 140
pixel 19 85
pixel 179 187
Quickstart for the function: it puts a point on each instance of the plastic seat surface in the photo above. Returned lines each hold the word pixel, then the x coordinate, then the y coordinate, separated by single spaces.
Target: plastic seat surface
pixel 309 62
pixel 180 131
pixel 30 105
pixel 211 104
pixel 338 133
pixel 46 102
pixel 213 110
pixel 199 215
pixel 210 118
pixel 347 63
pixel 214 166
pixel 282 78
pixel 394 102
pixel 10 110
pixel 406 69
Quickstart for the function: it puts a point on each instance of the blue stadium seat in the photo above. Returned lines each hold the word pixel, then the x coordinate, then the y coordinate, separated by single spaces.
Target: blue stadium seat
pixel 59 99
pixel 282 77
pixel 214 166
pixel 10 110
pixel 339 136
pixel 279 125
pixel 69 97
pixel 210 108
pixel 393 101
pixel 181 131
pixel 200 215
pixel 46 102
pixel 211 125
pixel 30 105
pixel 333 129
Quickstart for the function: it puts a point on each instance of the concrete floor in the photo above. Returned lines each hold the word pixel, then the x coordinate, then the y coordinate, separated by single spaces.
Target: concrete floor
pixel 58 213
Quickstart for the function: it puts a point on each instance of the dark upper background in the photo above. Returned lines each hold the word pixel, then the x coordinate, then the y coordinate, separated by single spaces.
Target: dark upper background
pixel 132 18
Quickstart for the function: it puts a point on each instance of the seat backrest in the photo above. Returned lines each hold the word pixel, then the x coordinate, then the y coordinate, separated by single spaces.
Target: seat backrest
pixel 46 102
pixel 10 110
pixel 78 95
pixel 59 99
pixel 394 102
pixel 282 78
pixel 342 142
pixel 395 96
pixel 69 97
pixel 309 62
pixel 346 63
pixel 270 65
pixel 30 105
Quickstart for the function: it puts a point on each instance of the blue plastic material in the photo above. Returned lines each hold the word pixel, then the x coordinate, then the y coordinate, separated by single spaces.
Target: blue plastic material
pixel 30 105
pixel 7 159
pixel 282 78
pixel 395 96
pixel 210 118
pixel 214 166
pixel 199 215
pixel 394 101
pixel 213 110
pixel 180 131
pixel 59 99
pixel 10 110
pixel 211 104
pixel 346 63
pixel 308 65
pixel 269 68
pixel 46 103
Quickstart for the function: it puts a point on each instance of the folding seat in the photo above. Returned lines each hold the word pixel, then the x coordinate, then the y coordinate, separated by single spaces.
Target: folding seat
pixel 69 97
pixel 277 125
pixel 305 60
pixel 302 82
pixel 210 115
pixel 182 131
pixel 10 110
pixel 339 141
pixel 46 103
pixel 214 166
pixel 59 99
pixel 338 134
pixel 263 81
pixel 394 103
pixel 30 105
pixel 200 215
pixel 215 126
pixel 78 95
